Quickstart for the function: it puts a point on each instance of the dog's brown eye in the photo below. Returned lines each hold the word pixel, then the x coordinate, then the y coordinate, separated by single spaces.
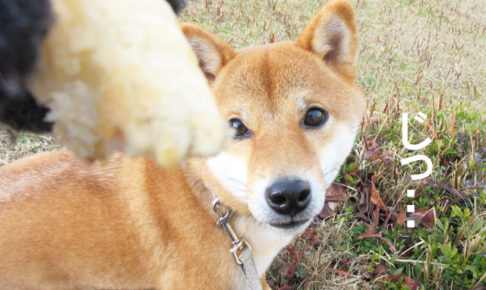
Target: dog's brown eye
pixel 241 131
pixel 315 117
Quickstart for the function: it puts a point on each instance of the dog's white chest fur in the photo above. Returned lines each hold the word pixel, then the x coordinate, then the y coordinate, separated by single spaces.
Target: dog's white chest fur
pixel 265 241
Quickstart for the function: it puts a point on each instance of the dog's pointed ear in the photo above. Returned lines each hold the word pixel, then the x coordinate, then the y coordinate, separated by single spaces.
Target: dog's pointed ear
pixel 332 35
pixel 212 52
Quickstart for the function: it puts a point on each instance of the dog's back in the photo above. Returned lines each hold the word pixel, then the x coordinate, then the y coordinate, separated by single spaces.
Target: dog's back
pixel 63 222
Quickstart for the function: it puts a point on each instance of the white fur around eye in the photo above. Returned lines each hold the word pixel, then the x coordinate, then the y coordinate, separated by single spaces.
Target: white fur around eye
pixel 335 153
pixel 231 173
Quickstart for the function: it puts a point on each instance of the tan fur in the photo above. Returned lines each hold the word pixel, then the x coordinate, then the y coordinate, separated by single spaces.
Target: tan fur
pixel 212 53
pixel 333 27
pixel 131 224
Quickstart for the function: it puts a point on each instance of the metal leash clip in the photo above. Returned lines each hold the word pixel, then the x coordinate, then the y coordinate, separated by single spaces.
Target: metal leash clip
pixel 224 222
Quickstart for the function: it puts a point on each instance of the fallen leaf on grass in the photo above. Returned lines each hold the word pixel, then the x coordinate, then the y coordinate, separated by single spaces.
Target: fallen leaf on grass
pixel 417 281
pixel 374 224
pixel 373 145
pixel 337 271
pixel 402 217
pixel 326 211
pixel 371 155
pixel 386 158
pixel 293 253
pixel 379 236
pixel 336 192
pixel 288 271
pixel 389 243
pixel 334 206
pixel 428 218
pixel 380 270
pixel 425 217
pixel 460 195
pixel 308 284
pixel 375 196
pixel 407 281
pixel 365 235
pixel 443 202
pixel 470 184
pixel 313 236
pixel 287 287
pixel 363 205
pixel 343 264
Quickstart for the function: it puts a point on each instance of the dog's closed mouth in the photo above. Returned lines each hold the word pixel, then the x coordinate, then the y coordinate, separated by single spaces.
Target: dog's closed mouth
pixel 289 225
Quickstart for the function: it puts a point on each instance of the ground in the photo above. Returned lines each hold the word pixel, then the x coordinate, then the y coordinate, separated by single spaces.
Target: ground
pixel 416 56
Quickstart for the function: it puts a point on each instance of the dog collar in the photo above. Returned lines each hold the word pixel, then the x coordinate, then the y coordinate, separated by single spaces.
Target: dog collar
pixel 241 249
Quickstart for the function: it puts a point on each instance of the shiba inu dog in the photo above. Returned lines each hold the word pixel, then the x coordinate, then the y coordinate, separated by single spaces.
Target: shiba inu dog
pixel 130 224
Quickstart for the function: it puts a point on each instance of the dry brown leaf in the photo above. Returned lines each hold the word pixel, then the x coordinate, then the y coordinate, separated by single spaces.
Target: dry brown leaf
pixel 326 211
pixel 407 281
pixel 288 271
pixel 371 155
pixel 417 281
pixel 380 270
pixel 313 237
pixel 363 205
pixel 425 217
pixel 343 263
pixel 337 271
pixel 293 253
pixel 389 243
pixel 374 224
pixel 336 192
pixel 365 236
pixel 375 196
pixel 287 287
pixel 334 206
pixel 386 158
pixel 379 236
pixel 402 217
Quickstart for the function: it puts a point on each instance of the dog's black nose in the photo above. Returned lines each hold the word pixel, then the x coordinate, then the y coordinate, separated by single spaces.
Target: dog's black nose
pixel 288 196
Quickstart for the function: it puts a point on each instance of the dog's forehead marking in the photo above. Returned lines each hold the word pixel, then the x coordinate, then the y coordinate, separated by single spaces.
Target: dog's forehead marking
pixel 264 81
pixel 272 80
pixel 300 99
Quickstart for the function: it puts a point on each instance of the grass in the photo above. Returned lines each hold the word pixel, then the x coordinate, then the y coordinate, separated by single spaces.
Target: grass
pixel 416 56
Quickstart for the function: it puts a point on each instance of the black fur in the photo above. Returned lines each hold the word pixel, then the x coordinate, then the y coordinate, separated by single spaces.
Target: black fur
pixel 22 112
pixel 23 26
pixel 177 5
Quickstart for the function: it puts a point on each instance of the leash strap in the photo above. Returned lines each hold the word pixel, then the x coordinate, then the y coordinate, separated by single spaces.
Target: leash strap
pixel 241 250
pixel 249 270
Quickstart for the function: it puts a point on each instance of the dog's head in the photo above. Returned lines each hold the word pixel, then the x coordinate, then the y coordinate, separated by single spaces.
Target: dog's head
pixel 295 111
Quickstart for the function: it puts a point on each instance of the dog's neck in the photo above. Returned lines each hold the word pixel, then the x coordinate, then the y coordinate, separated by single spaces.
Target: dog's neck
pixel 265 241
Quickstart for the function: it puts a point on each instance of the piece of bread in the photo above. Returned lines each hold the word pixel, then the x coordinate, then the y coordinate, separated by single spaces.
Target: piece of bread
pixel 120 75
